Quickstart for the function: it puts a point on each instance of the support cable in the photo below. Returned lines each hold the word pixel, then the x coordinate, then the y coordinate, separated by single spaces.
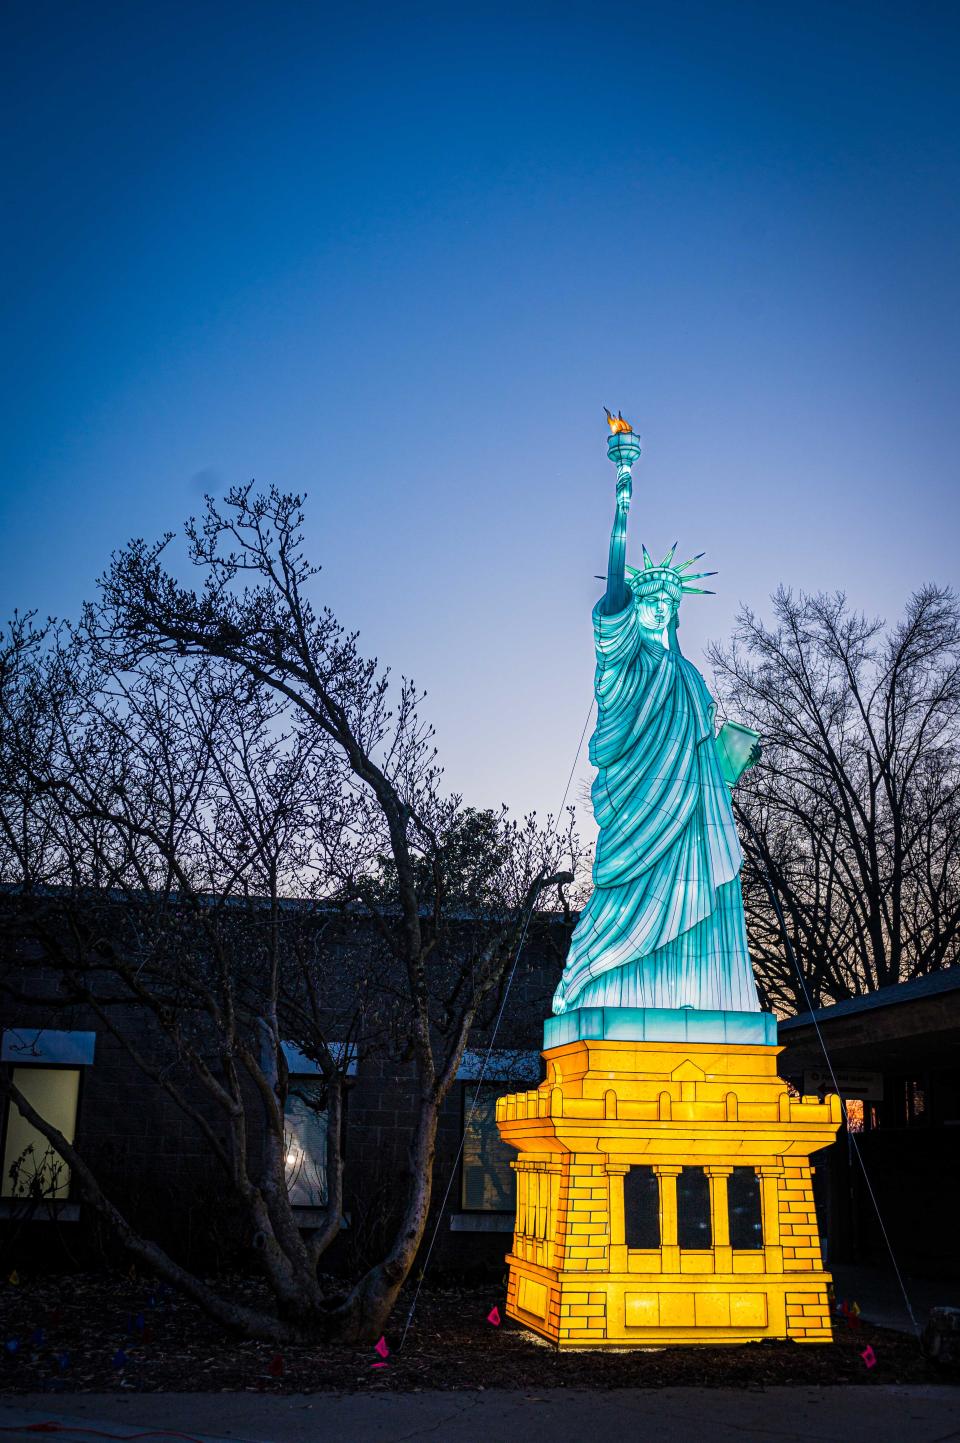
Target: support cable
pixel 851 1137
pixel 486 1058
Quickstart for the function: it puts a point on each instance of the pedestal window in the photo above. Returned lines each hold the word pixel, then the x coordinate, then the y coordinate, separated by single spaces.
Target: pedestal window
pixel 744 1209
pixel 641 1208
pixel 693 1209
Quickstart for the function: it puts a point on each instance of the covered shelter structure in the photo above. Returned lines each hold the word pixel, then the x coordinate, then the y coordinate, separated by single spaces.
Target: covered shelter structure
pixel 896 1057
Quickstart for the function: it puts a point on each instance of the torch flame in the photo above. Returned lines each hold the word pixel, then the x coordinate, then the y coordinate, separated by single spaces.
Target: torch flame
pixel 617 424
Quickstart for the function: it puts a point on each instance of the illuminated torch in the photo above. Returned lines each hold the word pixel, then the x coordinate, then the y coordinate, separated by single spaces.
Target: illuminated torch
pixel 623 448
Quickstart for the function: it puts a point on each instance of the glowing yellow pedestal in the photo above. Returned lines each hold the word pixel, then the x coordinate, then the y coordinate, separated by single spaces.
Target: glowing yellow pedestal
pixel 608 1106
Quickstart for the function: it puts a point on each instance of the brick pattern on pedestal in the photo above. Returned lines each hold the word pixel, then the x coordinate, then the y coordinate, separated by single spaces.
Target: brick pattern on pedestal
pixel 608 1106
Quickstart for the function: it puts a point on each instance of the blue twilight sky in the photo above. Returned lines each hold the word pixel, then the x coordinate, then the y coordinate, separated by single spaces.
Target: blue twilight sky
pixel 399 255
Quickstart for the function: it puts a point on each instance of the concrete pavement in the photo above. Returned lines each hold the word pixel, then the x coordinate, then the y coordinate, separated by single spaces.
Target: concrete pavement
pixel 867 1414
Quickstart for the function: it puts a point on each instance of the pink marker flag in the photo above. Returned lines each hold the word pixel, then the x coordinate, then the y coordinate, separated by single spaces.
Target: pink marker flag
pixel 382 1348
pixel 869 1356
pixel 494 1316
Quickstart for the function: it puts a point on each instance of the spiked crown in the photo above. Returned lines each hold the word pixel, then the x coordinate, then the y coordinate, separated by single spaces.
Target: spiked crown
pixel 647 580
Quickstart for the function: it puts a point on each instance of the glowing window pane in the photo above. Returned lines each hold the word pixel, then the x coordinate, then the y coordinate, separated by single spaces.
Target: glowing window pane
pixel 488 1182
pixel 305 1141
pixel 854 1108
pixel 31 1167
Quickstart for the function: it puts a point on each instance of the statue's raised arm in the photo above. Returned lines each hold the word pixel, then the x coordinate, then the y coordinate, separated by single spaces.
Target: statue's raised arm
pixel 624 451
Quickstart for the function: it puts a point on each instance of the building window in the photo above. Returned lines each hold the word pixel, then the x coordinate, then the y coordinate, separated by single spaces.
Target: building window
pixel 488 1182
pixel 305 1142
pixel 916 1098
pixel 743 1208
pixel 31 1167
pixel 854 1109
pixel 693 1209
pixel 641 1208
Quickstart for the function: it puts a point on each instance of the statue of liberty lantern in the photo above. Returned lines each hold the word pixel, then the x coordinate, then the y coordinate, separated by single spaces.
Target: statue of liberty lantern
pixel 664 926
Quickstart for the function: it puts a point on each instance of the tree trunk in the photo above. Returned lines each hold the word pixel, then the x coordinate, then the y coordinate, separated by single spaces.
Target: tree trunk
pixel 364 1314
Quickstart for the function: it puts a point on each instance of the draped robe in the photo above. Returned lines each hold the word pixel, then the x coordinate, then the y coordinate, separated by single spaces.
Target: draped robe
pixel 664 925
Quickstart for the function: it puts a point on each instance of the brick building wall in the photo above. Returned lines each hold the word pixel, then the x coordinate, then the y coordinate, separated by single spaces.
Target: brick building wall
pixel 155 1163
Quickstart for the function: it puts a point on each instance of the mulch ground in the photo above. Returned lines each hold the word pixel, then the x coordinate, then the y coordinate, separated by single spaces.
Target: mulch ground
pixel 100 1332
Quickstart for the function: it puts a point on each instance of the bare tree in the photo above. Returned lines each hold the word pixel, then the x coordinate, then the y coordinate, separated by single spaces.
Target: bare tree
pixel 853 813
pixel 152 826
pixel 198 759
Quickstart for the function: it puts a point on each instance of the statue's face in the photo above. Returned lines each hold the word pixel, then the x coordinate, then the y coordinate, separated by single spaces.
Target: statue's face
pixel 656 612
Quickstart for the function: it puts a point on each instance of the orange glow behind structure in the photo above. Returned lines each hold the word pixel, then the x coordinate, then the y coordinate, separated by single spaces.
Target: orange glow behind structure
pixel 617 424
